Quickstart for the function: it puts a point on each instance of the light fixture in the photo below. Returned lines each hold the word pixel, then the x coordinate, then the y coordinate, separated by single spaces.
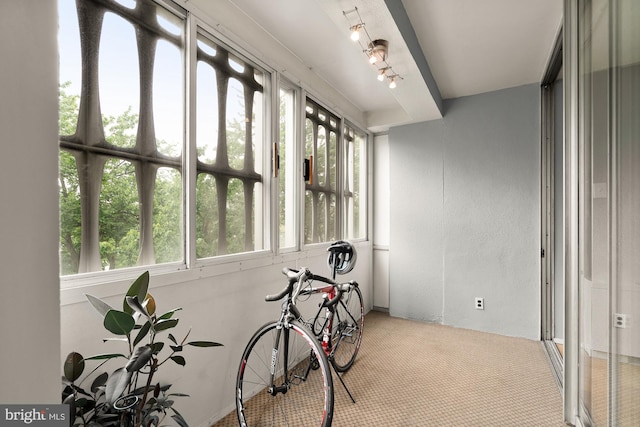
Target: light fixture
pixel 382 73
pixel 376 50
pixel 355 32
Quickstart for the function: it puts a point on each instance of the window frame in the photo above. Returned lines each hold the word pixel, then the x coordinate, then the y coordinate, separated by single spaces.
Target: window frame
pixel 274 80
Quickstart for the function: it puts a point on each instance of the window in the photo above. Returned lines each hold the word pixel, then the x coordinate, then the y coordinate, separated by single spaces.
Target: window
pixel 355 189
pixel 122 140
pixel 321 139
pixel 229 123
pixel 121 136
pixel 286 167
pixel 140 185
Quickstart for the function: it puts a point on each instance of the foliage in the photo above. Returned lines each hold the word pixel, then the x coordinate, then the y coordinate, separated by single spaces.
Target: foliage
pixel 119 210
pixel 129 396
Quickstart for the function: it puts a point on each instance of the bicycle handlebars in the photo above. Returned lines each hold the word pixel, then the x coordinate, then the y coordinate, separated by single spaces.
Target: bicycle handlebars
pixel 294 276
pixel 298 277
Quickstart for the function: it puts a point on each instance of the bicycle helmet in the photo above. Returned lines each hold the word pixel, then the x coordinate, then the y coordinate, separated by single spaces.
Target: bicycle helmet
pixel 342 257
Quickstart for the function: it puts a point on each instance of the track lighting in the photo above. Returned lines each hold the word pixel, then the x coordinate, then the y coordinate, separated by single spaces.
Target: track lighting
pixel 382 73
pixel 376 50
pixel 355 32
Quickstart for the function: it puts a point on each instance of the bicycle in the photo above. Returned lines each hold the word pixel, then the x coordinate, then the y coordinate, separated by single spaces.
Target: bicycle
pixel 264 378
pixel 339 326
pixel 284 376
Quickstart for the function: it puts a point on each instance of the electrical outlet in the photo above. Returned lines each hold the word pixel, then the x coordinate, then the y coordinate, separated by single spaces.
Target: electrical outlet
pixel 621 320
pixel 479 303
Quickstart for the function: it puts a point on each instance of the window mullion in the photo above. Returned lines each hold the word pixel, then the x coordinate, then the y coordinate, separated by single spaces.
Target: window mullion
pixel 190 155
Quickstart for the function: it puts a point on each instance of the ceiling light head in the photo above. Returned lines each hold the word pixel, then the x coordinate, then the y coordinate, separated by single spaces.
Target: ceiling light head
pixel 392 82
pixel 382 73
pixel 355 31
pixel 378 51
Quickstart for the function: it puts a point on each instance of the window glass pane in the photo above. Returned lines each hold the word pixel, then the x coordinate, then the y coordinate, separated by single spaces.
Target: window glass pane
pixel 333 161
pixel 321 157
pixel 287 197
pixel 167 99
pixel 119 81
pixel 230 137
pixel 321 142
pixel 207 113
pixel 70 222
pixel 322 219
pixel 206 216
pixel 236 218
pixel 355 183
pixel 119 216
pixel 309 216
pixel 69 65
pixel 236 124
pixel 167 216
pixel 120 203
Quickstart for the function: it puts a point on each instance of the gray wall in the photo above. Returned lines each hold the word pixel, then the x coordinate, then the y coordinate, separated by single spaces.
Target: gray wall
pixel 30 300
pixel 465 214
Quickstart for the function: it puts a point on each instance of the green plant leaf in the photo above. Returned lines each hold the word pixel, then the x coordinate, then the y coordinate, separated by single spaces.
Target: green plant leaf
pixel 143 333
pixel 204 344
pixel 157 347
pixel 73 366
pixel 176 348
pixel 138 288
pixel 116 384
pixel 169 314
pixel 71 401
pixel 118 322
pixel 99 381
pixel 106 356
pixel 139 358
pixel 172 338
pixel 164 324
pixel 179 419
pixel 179 360
pixel 134 303
pixel 100 306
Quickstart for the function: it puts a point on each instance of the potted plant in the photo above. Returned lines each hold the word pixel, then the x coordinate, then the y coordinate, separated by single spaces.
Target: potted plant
pixel 131 395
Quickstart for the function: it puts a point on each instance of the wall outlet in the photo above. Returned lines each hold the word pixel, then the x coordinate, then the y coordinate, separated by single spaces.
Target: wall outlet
pixel 479 303
pixel 621 320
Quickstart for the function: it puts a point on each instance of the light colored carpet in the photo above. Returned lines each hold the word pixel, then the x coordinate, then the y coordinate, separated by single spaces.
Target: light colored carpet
pixel 417 374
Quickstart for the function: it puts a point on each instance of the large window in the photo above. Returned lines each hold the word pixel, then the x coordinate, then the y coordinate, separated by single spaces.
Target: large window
pixel 230 117
pixel 161 166
pixel 355 182
pixel 121 135
pixel 321 138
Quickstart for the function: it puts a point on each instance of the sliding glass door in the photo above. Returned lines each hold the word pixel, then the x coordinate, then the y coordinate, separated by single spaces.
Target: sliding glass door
pixel 604 143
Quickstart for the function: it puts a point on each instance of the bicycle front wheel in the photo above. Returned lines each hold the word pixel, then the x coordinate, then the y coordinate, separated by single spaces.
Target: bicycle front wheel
pixel 347 326
pixel 284 379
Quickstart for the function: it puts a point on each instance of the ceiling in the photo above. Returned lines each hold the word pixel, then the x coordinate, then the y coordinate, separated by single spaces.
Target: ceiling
pixel 441 48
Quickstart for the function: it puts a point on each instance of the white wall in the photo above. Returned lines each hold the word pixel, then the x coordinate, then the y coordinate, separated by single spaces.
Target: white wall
pixel 29 305
pixel 465 214
pixel 381 222
pixel 224 304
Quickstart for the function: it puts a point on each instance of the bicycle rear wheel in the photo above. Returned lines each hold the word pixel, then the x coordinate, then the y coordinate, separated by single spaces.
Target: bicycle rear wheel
pixel 268 394
pixel 346 333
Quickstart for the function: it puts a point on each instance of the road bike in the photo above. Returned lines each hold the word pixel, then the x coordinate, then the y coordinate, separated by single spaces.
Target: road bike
pixel 339 326
pixel 284 378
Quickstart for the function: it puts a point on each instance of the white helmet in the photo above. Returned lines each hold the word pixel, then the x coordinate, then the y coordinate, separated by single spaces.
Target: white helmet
pixel 342 257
